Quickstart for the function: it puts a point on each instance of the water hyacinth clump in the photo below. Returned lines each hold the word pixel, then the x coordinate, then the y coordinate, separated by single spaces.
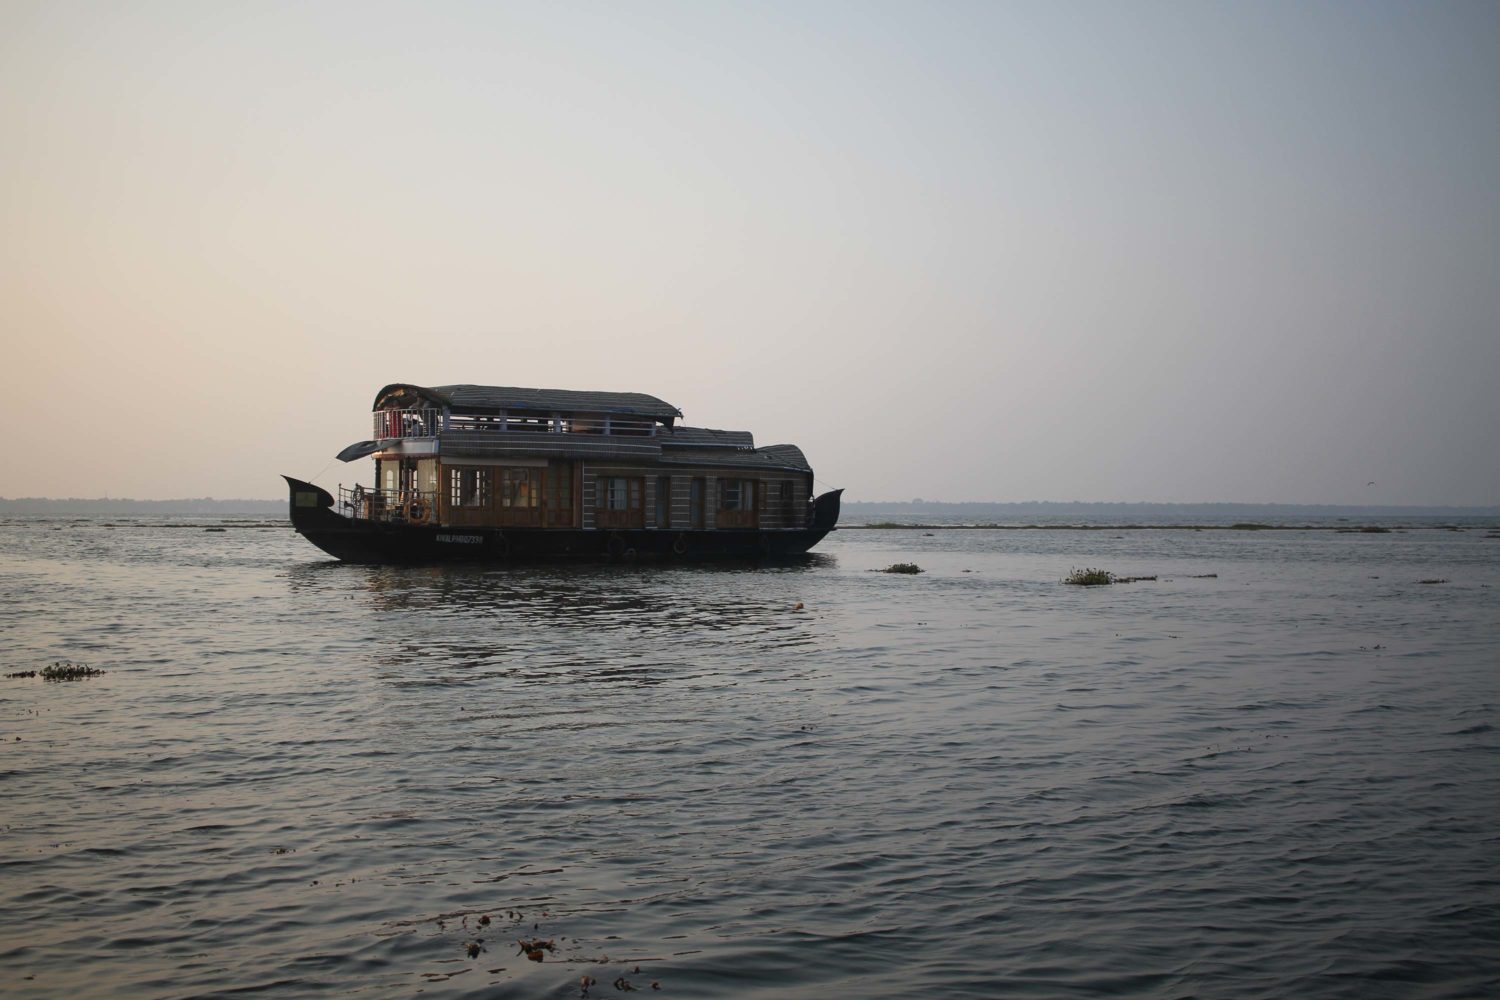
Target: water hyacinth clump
pixel 64 671
pixel 902 568
pixel 60 671
pixel 1089 577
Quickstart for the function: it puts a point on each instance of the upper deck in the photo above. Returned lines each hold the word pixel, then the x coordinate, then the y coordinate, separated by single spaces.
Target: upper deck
pixel 497 422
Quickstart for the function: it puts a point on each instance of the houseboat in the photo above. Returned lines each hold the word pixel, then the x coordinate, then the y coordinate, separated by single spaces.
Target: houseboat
pixel 482 472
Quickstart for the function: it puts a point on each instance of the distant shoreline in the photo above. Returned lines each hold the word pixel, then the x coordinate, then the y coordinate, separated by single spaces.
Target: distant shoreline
pixel 973 514
pixel 1364 529
pixel 107 505
pixel 976 511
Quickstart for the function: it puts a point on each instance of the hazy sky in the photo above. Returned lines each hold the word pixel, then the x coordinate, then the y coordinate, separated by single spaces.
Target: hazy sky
pixel 989 251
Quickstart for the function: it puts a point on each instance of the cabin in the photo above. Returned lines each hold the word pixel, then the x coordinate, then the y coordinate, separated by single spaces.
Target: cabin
pixel 478 456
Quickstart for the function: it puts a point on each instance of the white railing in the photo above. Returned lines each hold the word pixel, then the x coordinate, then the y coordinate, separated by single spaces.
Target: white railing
pixel 407 423
pixel 517 423
pixel 370 504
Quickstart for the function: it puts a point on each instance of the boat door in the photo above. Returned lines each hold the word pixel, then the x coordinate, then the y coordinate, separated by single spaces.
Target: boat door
pixel 557 495
pixel 695 504
pixel 664 501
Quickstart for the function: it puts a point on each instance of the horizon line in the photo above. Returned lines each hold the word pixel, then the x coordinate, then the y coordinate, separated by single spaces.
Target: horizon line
pixel 1492 507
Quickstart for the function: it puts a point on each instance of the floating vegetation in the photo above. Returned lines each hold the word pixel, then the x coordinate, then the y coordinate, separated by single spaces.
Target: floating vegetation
pixel 533 948
pixel 60 671
pixel 1089 577
pixel 1102 577
pixel 1433 579
pixel 1249 526
pixel 1374 529
pixel 213 529
pixel 1203 576
pixel 908 568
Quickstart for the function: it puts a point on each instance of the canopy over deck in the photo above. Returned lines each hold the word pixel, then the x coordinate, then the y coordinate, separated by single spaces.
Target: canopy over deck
pixel 498 398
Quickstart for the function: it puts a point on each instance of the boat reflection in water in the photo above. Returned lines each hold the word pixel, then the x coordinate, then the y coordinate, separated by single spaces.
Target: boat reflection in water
pixel 458 623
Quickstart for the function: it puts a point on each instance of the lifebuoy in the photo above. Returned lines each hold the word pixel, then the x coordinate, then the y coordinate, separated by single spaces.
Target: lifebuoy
pixel 418 510
pixel 680 545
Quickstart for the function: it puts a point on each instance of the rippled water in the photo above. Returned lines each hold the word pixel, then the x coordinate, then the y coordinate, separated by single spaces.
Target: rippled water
pixel 301 778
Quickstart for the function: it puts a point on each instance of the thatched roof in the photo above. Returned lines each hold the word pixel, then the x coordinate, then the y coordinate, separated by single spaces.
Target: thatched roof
pixel 776 456
pixel 706 437
pixel 494 398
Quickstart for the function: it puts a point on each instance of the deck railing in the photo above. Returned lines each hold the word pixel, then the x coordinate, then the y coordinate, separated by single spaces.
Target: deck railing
pixel 518 423
pixel 404 506
pixel 428 422
pixel 408 423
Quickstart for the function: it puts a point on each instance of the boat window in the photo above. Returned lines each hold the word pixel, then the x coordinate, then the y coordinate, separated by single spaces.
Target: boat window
pixel 469 487
pixel 736 494
pixel 520 487
pixel 620 493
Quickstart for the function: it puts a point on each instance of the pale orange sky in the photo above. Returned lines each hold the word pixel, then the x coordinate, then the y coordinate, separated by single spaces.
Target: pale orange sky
pixel 959 251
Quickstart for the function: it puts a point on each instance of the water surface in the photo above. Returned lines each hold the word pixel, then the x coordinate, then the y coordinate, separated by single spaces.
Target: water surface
pixel 298 777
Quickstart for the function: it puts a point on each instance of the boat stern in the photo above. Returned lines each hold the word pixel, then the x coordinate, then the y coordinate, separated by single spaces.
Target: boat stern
pixel 825 511
pixel 311 506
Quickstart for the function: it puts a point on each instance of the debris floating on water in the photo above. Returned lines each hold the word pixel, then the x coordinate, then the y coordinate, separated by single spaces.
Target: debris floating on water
pixel 908 568
pixel 1102 577
pixel 532 948
pixel 62 670
pixel 1089 577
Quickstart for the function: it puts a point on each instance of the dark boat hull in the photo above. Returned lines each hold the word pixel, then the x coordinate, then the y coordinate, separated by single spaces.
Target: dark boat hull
pixel 361 541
